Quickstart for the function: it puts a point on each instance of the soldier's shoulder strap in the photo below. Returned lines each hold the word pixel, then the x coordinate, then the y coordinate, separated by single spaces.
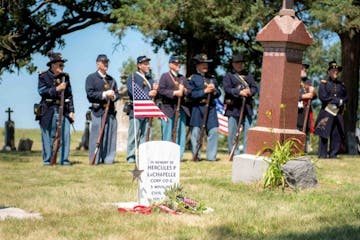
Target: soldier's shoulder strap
pixel 42 72
pixel 323 81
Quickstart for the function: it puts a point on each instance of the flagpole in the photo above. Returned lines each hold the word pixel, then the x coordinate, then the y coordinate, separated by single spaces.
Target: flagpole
pixel 135 134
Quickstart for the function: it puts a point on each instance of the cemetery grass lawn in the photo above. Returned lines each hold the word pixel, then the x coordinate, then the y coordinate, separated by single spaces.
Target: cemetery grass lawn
pixel 72 201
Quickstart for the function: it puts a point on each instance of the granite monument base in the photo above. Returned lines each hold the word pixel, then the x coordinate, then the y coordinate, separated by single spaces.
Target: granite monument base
pixel 248 168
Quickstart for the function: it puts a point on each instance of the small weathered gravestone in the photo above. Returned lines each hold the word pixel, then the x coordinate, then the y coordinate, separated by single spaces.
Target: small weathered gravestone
pixel 300 173
pixel 9 133
pixel 86 134
pixel 159 162
pixel 25 145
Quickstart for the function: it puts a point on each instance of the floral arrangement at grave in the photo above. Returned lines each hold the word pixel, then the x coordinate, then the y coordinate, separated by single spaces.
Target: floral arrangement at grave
pixel 175 202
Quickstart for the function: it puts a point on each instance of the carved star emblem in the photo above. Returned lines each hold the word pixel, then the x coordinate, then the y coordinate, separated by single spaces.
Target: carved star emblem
pixel 136 173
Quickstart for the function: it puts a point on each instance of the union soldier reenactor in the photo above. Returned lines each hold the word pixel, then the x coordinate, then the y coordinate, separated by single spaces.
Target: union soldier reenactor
pixel 330 123
pixel 204 87
pixel 50 86
pixel 101 90
pixel 306 95
pixel 239 85
pixel 143 79
pixel 173 87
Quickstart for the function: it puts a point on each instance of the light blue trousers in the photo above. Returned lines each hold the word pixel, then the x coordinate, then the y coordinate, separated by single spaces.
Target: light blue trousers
pixel 232 127
pixel 48 136
pixel 141 126
pixel 212 142
pixel 107 148
pixel 167 127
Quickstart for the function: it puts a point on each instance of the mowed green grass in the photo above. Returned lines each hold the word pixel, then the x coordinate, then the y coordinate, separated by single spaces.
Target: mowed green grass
pixel 72 201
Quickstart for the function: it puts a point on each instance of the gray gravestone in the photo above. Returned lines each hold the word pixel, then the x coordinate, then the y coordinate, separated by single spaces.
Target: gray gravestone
pixel 160 163
pixel 25 145
pixel 248 168
pixel 300 173
pixel 9 133
pixel 86 135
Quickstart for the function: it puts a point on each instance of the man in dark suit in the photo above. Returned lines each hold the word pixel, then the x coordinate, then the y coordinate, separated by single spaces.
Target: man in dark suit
pixel 173 87
pixel 203 85
pixel 50 86
pixel 101 87
pixel 330 123
pixel 239 85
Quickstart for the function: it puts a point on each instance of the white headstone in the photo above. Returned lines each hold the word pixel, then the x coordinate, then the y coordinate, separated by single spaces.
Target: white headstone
pixel 160 162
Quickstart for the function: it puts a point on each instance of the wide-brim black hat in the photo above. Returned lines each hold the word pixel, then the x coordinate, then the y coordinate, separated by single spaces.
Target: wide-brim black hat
pixel 54 58
pixel 237 58
pixel 334 65
pixel 201 58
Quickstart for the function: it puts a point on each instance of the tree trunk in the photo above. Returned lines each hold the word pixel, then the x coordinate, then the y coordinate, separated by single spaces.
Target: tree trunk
pixel 350 50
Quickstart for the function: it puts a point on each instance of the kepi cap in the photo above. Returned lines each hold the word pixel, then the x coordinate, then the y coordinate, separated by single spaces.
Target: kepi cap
pixel 174 59
pixel 102 58
pixel 333 64
pixel 142 59
pixel 54 58
pixel 201 58
pixel 237 58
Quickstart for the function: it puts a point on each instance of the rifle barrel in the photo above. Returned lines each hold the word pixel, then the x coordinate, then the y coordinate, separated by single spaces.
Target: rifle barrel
pixel 57 140
pixel 236 139
pixel 102 129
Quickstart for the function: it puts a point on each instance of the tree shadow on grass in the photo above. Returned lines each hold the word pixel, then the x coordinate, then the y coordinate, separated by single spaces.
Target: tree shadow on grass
pixel 345 232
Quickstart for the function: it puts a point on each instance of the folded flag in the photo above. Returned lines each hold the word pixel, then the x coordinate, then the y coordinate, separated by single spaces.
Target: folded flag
pixel 223 120
pixel 144 106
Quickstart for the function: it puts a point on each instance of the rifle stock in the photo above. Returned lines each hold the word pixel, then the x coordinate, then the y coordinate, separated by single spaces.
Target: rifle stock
pixel 238 130
pixel 177 113
pixel 102 129
pixel 57 140
pixel 203 127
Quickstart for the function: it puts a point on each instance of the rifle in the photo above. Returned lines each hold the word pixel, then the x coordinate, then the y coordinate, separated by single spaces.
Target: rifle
pixel 57 140
pixel 238 130
pixel 102 129
pixel 306 116
pixel 177 113
pixel 203 127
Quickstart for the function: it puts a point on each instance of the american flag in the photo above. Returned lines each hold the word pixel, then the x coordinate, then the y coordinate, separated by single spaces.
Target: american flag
pixel 223 120
pixel 144 106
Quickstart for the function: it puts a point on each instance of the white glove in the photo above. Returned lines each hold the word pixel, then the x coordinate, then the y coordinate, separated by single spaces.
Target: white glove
pixel 300 104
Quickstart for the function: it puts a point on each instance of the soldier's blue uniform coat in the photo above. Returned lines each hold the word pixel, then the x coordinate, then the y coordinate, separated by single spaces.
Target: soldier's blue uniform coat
pixel 198 97
pixel 95 86
pixel 329 126
pixel 233 101
pixel 166 90
pixel 232 88
pixel 50 98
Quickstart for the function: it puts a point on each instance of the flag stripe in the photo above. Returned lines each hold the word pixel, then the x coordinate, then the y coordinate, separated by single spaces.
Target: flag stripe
pixel 144 106
pixel 223 120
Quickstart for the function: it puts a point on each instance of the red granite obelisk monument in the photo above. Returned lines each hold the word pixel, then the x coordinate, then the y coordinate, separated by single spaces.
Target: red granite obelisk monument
pixel 284 40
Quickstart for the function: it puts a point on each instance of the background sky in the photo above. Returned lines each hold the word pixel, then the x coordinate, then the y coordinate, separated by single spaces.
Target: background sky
pixel 19 90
